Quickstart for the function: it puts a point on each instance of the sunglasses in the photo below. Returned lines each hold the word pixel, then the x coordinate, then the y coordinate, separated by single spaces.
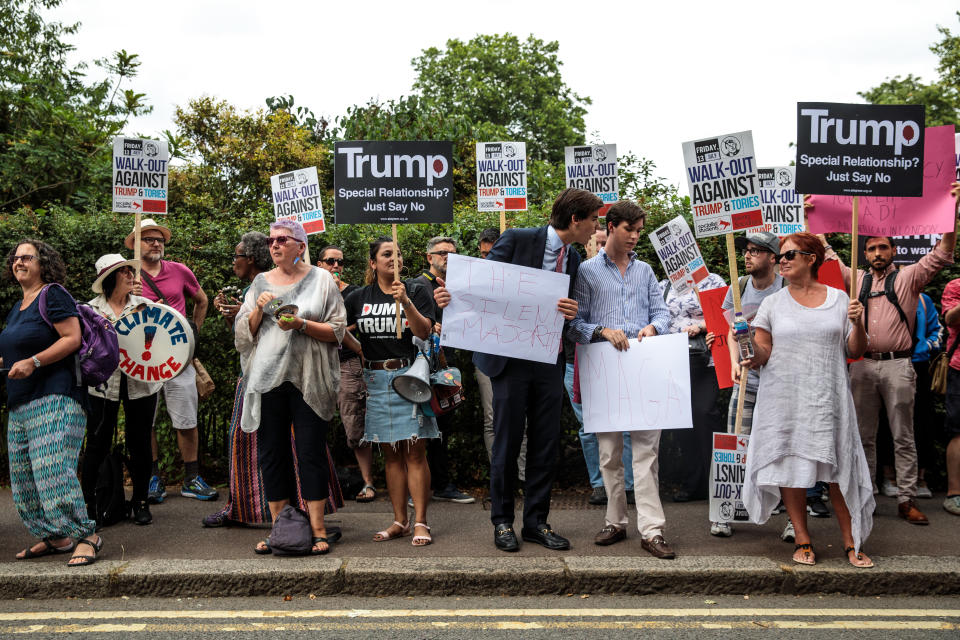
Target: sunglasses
pixel 153 240
pixel 333 261
pixel 793 253
pixel 281 240
pixel 25 258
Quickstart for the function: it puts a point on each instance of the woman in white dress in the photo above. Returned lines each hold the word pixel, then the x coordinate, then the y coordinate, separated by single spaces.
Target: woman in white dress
pixel 805 424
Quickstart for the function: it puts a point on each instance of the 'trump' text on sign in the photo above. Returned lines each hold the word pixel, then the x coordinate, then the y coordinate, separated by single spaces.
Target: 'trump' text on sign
pixel 140 169
pixel 296 196
pixel 782 205
pixel 679 254
pixel 501 176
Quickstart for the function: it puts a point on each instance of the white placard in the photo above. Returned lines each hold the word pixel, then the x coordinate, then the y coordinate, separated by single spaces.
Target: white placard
pixel 156 342
pixel 679 254
pixel 296 196
pixel 501 176
pixel 140 170
pixel 645 387
pixel 782 206
pixel 728 467
pixel 503 309
pixel 593 167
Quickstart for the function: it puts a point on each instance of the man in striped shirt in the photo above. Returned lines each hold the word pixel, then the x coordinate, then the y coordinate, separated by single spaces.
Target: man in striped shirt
pixel 618 298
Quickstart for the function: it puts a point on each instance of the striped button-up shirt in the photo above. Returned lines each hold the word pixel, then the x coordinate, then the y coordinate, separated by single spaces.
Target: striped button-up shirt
pixel 628 302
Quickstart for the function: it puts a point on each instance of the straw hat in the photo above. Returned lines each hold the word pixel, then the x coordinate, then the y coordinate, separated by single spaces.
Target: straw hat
pixel 108 264
pixel 145 225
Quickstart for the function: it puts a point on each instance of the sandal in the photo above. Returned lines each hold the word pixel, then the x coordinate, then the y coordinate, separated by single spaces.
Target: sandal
pixel 363 497
pixel 383 536
pixel 48 549
pixel 807 557
pixel 860 557
pixel 421 541
pixel 319 552
pixel 265 550
pixel 87 560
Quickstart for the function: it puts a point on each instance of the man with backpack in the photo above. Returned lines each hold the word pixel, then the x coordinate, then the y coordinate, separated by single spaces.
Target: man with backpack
pixel 171 283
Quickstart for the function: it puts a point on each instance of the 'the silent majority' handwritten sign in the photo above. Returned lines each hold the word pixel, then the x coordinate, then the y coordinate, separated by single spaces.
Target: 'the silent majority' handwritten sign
pixel 645 387
pixel 503 309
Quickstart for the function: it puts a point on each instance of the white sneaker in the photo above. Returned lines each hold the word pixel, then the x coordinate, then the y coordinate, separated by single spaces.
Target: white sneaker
pixel 788 535
pixel 721 529
pixel 952 505
pixel 923 491
pixel 889 488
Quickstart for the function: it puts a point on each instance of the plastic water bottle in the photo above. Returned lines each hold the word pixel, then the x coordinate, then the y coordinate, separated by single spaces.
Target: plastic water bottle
pixel 741 333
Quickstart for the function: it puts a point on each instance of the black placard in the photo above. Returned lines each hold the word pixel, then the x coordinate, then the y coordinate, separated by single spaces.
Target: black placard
pixel 393 182
pixel 860 149
pixel 909 248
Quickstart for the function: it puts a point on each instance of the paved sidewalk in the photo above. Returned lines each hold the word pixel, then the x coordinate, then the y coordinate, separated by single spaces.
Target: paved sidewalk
pixel 177 556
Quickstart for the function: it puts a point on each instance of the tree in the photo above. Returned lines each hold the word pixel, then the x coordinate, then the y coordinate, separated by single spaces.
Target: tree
pixel 512 84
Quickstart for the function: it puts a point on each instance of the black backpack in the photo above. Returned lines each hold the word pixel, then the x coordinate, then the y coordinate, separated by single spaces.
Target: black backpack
pixel 109 499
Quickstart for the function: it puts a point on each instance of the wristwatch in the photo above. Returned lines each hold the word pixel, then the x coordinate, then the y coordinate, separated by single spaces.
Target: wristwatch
pixel 303 327
pixel 597 333
pixel 36 361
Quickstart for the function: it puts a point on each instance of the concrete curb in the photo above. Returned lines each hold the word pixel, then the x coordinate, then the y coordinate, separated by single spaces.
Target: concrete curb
pixel 902 575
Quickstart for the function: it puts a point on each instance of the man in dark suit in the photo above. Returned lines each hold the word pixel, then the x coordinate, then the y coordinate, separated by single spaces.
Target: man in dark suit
pixel 529 391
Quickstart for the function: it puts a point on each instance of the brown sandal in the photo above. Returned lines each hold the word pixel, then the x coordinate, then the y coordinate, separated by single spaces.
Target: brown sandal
pixel 808 557
pixel 859 556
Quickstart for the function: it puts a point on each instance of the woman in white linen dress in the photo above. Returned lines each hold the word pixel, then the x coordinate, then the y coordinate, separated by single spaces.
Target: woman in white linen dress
pixel 805 424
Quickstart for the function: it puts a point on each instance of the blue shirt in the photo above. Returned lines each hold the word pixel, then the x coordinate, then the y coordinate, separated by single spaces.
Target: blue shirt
pixel 552 251
pixel 928 330
pixel 628 302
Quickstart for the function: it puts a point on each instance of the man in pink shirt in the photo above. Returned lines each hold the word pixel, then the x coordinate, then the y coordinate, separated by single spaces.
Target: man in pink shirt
pixel 171 283
pixel 951 316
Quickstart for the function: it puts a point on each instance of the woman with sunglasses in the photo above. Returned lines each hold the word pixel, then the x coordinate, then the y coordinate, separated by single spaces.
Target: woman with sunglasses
pixel 805 424
pixel 115 283
pixel 45 400
pixel 289 327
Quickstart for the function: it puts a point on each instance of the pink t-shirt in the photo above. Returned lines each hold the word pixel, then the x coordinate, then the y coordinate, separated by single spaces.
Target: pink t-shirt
pixel 951 298
pixel 175 282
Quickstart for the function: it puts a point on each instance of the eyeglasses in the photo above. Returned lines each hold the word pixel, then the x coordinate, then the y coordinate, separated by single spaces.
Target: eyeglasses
pixel 440 253
pixel 793 253
pixel 333 261
pixel 25 258
pixel 281 240
pixel 153 240
pixel 237 256
pixel 754 251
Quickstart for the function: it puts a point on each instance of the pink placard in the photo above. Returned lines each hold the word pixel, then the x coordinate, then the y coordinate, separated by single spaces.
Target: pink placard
pixel 933 212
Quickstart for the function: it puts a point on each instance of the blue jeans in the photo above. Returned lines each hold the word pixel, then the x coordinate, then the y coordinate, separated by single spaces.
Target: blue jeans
pixel 588 442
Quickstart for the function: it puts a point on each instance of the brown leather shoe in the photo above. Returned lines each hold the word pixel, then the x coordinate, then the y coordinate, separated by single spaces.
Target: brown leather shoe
pixel 909 512
pixel 658 548
pixel 609 535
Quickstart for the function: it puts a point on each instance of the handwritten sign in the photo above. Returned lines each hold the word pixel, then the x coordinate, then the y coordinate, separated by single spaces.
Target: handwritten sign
pixel 711 302
pixel 594 168
pixel 722 177
pixel 782 206
pixel 296 196
pixel 643 388
pixel 679 254
pixel 140 170
pixel 889 216
pixel 501 176
pixel 503 309
pixel 728 468
pixel 155 342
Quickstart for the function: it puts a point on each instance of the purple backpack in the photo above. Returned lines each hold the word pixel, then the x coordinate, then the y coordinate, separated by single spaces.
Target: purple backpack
pixel 99 354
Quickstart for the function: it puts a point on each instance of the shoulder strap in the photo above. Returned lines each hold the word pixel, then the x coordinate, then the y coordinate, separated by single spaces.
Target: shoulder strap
pixel 891 295
pixel 666 290
pixel 156 290
pixel 42 300
pixel 865 284
pixel 743 283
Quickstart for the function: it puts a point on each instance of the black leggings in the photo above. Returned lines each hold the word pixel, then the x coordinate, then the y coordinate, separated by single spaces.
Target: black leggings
pixel 101 425
pixel 279 407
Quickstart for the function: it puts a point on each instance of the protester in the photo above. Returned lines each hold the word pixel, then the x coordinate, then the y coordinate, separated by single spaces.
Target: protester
pixel 46 417
pixel 292 373
pixel 696 445
pixel 115 282
pixel 950 304
pixel 886 377
pixel 444 489
pixel 527 390
pixel 397 425
pixel 804 425
pixel 352 394
pixel 171 283
pixel 618 298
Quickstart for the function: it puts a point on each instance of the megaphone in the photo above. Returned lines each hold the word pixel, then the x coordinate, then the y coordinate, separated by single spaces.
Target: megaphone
pixel 414 385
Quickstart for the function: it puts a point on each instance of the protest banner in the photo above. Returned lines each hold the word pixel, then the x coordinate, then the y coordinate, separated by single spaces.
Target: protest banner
pixel 908 249
pixel 722 177
pixel 594 168
pixel 645 387
pixel 728 469
pixel 503 309
pixel 502 178
pixel 156 342
pixel 679 254
pixel 957 150
pixel 931 213
pixel 140 170
pixel 296 196
pixel 711 301
pixel 782 206
pixel 860 149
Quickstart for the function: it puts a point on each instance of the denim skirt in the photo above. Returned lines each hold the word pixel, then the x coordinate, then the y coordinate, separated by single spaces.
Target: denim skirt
pixel 390 418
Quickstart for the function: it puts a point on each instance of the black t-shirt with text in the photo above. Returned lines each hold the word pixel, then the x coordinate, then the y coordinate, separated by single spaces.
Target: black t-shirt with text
pixel 374 313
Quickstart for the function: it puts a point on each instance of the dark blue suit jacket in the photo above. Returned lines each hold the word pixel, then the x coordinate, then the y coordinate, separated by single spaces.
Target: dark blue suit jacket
pixel 523 247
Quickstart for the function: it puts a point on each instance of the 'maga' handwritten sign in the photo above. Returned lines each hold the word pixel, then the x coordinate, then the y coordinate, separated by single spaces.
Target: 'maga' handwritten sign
pixel 503 309
pixel 643 388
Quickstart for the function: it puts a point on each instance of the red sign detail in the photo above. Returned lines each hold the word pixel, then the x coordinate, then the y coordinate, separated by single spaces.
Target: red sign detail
pixel 154 206
pixel 725 441
pixel 514 204
pixel 700 274
pixel 314 226
pixel 747 219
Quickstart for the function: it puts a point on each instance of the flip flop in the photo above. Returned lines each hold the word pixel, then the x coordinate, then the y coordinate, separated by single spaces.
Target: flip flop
pixel 860 556
pixel 362 496
pixel 87 560
pixel 317 552
pixel 807 557
pixel 383 536
pixel 49 549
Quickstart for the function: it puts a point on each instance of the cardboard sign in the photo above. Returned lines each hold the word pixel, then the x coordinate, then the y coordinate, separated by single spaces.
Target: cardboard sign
pixel 645 387
pixel 296 196
pixel 156 342
pixel 679 254
pixel 722 178
pixel 393 182
pixel 782 206
pixel 909 248
pixel 594 168
pixel 140 170
pixel 501 176
pixel 831 275
pixel 728 468
pixel 503 309
pixel 889 216
pixel 957 150
pixel 711 301
pixel 860 149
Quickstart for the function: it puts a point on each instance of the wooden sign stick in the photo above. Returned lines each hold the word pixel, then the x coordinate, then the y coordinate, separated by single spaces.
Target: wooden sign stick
pixel 854 247
pixel 136 242
pixel 503 221
pixel 737 308
pixel 396 277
